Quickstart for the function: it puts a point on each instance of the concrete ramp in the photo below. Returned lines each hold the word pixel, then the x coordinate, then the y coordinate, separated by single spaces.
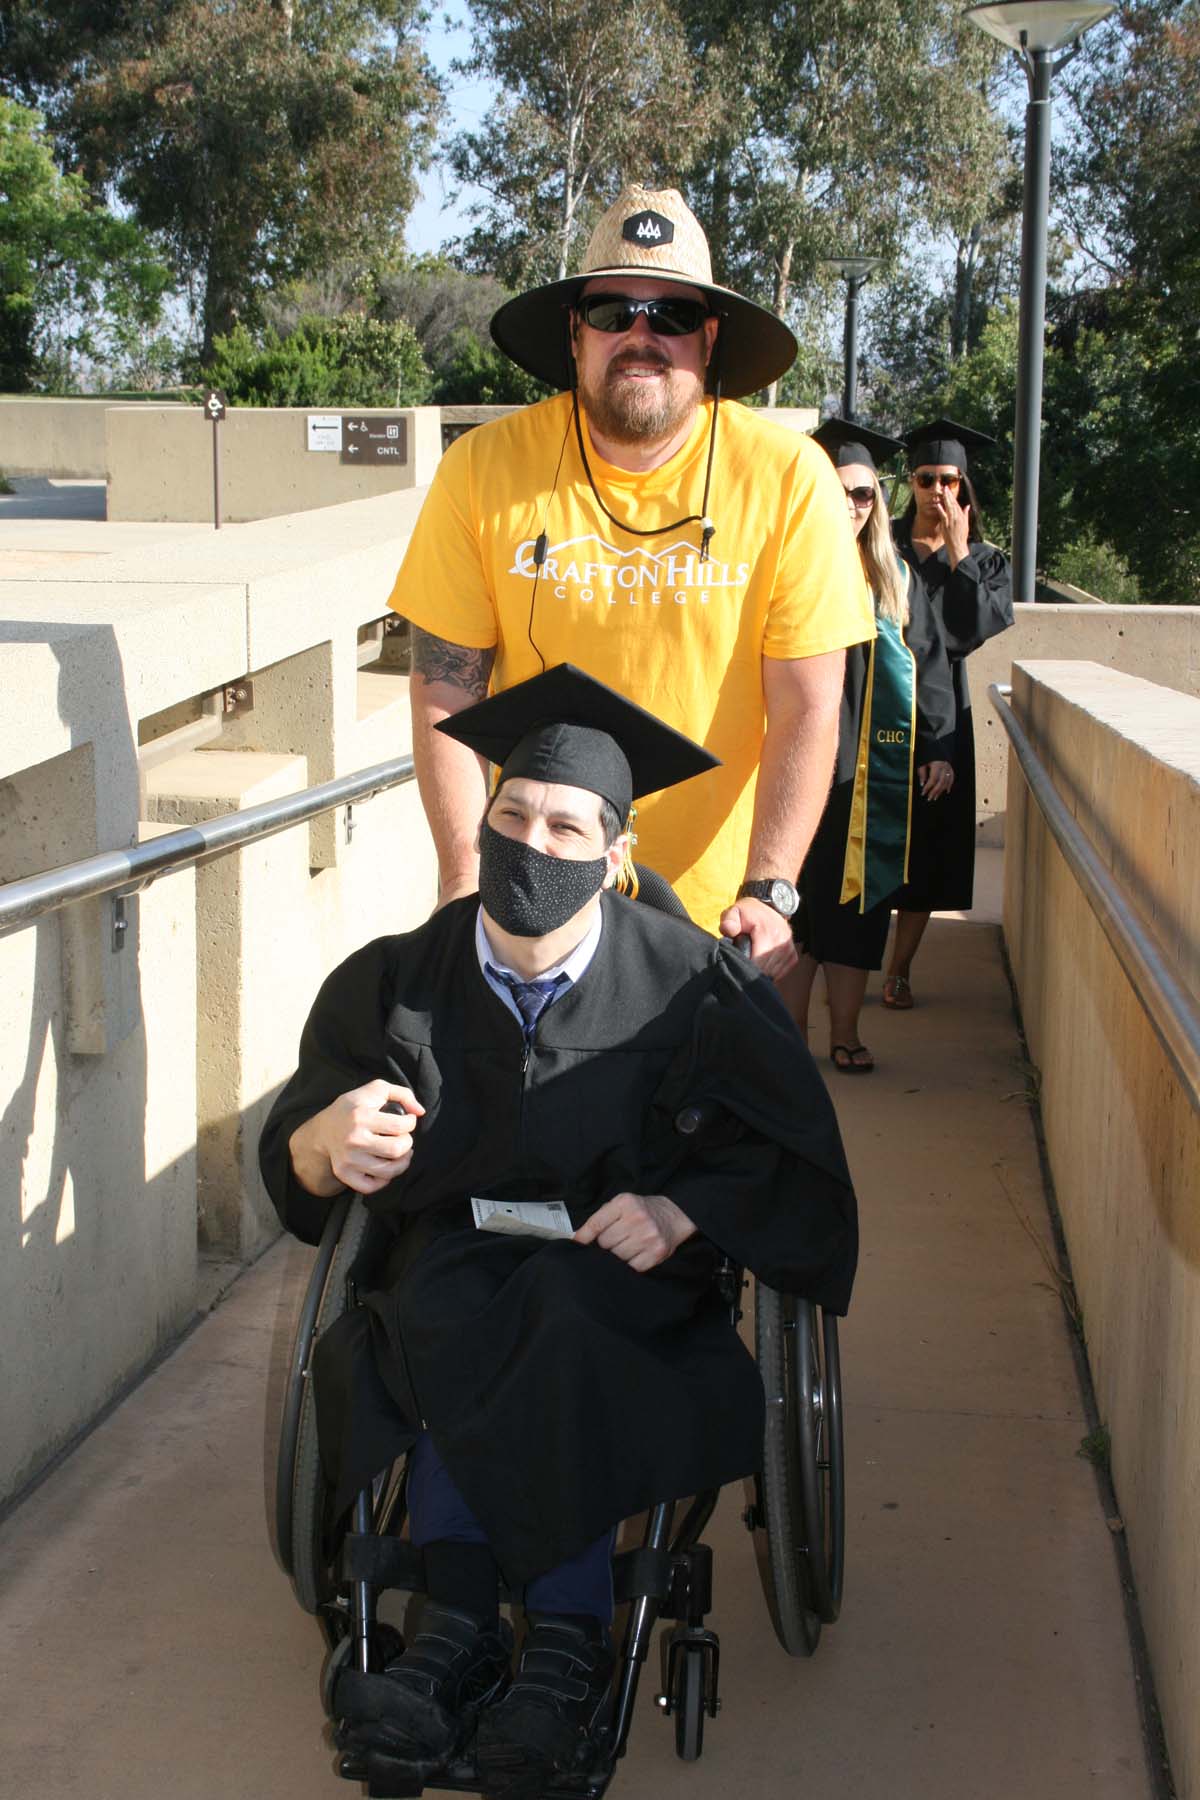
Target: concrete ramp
pixel 149 1646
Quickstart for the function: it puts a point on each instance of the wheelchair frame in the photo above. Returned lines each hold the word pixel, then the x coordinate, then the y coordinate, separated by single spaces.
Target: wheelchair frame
pixel 795 1510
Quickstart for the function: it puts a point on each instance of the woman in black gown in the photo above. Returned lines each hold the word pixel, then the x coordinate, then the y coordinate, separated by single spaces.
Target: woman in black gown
pixel 900 685
pixel 970 585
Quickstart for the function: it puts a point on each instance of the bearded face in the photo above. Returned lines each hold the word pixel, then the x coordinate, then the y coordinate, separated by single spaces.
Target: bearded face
pixel 637 387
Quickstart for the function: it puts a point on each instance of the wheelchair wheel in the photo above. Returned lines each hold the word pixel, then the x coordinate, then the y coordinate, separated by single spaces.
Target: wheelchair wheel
pixel 297 1383
pixel 688 1705
pixel 311 1556
pixel 801 1498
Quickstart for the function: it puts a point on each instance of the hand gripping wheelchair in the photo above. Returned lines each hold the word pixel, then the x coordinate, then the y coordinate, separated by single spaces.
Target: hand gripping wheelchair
pixel 795 1510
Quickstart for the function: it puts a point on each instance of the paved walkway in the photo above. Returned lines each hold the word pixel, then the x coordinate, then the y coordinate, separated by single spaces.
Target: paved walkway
pixel 50 527
pixel 149 1647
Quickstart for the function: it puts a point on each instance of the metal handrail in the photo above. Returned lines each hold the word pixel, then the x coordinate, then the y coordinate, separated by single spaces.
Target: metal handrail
pixel 128 871
pixel 1167 1004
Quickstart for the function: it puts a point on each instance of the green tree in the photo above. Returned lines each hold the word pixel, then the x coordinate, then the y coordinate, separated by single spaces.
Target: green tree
pixel 1129 190
pixel 591 96
pixel 258 138
pixel 476 373
pixel 440 302
pixel 77 285
pixel 841 128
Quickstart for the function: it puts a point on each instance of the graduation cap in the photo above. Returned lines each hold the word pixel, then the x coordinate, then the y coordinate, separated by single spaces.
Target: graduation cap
pixel 942 441
pixel 845 442
pixel 565 726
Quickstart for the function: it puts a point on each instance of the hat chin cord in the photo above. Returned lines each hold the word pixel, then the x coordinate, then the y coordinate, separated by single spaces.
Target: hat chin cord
pixel 701 518
pixel 542 545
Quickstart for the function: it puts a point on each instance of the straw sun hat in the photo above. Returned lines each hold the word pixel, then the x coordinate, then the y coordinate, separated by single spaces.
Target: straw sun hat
pixel 652 234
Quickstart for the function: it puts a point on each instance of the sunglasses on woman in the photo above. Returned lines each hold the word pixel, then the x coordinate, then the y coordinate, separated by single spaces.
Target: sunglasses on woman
pixel 861 496
pixel 666 318
pixel 927 479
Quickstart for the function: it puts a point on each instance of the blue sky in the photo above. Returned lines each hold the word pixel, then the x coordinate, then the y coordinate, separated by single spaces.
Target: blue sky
pixel 433 219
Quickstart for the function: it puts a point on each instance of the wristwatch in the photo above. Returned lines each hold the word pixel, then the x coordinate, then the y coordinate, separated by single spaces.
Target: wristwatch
pixel 775 891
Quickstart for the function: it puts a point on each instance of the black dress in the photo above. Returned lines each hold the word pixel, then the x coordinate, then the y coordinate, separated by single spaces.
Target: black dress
pixel 563 1390
pixel 824 927
pixel 973 603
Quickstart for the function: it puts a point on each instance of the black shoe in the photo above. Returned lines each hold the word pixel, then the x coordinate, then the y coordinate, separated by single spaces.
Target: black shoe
pixel 425 1703
pixel 556 1715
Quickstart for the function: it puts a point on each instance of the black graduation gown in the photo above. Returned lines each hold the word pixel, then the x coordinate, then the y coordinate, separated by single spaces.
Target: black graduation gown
pixel 825 928
pixel 564 1391
pixel 973 602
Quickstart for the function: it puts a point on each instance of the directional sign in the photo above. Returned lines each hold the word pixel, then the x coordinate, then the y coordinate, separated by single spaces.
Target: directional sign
pixel 381 439
pixel 214 405
pixel 324 431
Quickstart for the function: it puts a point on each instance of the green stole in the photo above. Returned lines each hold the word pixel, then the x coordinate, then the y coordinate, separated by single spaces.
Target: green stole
pixel 881 804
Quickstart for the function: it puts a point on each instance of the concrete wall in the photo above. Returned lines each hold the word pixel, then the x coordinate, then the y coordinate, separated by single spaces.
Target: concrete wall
pixel 1161 643
pixel 160 462
pixel 1122 1138
pixel 63 438
pixel 133 1082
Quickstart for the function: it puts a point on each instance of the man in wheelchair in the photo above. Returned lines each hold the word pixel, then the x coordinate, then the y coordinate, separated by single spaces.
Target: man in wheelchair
pixel 504 1086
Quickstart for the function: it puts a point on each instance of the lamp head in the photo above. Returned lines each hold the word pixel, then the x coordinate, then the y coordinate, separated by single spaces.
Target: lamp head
pixel 1046 25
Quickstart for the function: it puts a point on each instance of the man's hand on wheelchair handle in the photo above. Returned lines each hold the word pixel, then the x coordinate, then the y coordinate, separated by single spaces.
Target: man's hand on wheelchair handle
pixel 354 1143
pixel 642 1229
pixel 771 946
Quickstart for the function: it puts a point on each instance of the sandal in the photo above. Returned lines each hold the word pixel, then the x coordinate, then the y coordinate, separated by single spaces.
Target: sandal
pixel 897 994
pixel 847 1059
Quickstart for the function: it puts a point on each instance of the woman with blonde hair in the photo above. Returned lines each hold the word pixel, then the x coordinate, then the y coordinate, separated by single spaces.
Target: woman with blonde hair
pixel 894 739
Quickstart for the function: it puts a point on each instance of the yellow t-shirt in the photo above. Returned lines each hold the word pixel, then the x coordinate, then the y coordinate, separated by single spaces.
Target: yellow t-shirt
pixel 682 638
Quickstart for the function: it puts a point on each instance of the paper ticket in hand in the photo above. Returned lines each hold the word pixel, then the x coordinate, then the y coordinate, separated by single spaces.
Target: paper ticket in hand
pixel 524 1218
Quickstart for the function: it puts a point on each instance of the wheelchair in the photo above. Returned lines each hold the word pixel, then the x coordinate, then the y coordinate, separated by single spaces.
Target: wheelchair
pixel 795 1510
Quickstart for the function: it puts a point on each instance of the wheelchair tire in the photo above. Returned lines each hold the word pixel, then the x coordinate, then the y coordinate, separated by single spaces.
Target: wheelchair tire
pixel 800 1534
pixel 297 1383
pixel 688 1705
pixel 312 1571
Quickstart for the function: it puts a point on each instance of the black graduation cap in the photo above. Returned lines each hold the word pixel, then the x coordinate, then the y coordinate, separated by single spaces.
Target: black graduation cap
pixel 845 442
pixel 942 441
pixel 565 726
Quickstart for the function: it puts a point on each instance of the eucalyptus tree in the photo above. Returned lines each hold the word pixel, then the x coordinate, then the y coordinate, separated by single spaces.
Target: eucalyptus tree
pixel 842 127
pixel 256 138
pixel 590 96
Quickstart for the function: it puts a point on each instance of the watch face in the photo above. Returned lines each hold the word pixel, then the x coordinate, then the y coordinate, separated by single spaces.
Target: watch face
pixel 784 898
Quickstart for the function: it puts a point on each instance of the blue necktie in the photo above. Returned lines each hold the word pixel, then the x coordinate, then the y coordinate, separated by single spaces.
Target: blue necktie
pixel 532 997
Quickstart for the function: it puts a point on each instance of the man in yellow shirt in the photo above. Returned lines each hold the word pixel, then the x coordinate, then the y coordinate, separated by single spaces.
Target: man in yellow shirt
pixel 693 556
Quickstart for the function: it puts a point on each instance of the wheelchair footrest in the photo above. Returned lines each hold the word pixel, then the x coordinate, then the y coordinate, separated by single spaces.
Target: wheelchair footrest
pixel 384 1777
pixel 392 1778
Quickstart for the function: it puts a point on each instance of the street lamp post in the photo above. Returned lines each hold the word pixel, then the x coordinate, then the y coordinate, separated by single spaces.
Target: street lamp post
pixel 1034 30
pixel 856 270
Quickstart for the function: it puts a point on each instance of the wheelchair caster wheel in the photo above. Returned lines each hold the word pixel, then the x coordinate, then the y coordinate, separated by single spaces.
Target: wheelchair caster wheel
pixel 692 1662
pixel 688 1704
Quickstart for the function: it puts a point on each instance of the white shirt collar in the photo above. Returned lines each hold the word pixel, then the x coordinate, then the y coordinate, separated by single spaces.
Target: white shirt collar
pixel 572 966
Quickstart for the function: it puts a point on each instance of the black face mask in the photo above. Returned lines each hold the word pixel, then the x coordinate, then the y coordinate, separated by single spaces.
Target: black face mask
pixel 528 893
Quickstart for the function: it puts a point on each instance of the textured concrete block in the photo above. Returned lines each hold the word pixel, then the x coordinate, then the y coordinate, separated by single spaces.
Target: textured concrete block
pixel 160 462
pixel 1122 1136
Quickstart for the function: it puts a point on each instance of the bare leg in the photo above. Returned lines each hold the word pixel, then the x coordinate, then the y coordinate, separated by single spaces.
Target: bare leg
pixel 910 929
pixel 847 987
pixel 795 989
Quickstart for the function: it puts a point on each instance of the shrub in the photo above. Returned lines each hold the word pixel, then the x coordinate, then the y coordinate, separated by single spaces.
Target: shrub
pixel 350 361
pixel 1098 569
pixel 477 374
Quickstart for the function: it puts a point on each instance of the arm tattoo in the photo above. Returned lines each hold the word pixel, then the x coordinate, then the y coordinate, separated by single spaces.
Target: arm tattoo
pixel 438 660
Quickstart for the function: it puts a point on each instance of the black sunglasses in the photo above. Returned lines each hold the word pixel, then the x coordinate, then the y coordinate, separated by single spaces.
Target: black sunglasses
pixel 862 496
pixel 666 318
pixel 927 479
